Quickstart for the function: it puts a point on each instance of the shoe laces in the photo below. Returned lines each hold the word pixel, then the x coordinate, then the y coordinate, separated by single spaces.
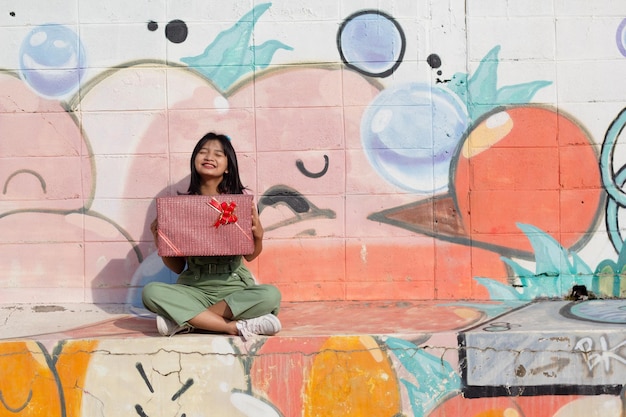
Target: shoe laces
pixel 263 325
pixel 244 332
pixel 183 328
pixel 172 328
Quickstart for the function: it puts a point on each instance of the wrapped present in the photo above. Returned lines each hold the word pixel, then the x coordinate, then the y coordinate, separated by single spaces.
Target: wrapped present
pixel 194 225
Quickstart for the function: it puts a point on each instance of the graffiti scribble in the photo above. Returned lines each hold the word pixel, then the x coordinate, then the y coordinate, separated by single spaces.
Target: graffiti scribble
pixel 604 356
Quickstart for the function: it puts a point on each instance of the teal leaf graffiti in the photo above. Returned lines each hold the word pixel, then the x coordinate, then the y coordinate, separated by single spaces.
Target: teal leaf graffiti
pixel 435 380
pixel 556 271
pixel 230 55
pixel 480 92
pixel 458 85
pixel 519 93
pixel 549 255
pixel 483 85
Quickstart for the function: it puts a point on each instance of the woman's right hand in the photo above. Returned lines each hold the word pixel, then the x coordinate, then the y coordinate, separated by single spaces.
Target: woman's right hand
pixel 154 228
pixel 175 263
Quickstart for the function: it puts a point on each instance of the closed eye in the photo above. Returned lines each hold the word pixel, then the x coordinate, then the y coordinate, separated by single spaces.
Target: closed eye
pixel 28 172
pixel 310 174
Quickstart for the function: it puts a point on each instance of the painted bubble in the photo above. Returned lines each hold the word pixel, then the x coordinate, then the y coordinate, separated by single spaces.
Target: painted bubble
pixel 620 37
pixel 151 269
pixel 372 43
pixel 409 134
pixel 52 60
pixel 600 311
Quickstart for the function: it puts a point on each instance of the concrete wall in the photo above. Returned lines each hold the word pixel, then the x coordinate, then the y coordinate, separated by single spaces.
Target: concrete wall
pixel 397 150
pixel 544 359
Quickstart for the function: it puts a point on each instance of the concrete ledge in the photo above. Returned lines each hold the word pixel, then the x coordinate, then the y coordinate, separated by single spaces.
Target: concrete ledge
pixel 396 358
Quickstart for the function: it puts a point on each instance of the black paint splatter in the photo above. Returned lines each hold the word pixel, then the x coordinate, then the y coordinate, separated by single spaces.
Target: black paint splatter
pixel 182 390
pixel 139 409
pixel 139 367
pixel 434 61
pixel 176 31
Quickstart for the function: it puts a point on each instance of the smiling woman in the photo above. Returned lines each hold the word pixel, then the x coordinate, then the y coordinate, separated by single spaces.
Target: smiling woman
pixel 214 293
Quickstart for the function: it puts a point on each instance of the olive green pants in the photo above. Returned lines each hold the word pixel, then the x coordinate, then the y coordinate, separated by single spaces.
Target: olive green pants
pixel 195 292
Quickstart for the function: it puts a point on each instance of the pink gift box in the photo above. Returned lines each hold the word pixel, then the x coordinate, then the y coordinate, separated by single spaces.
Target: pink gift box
pixel 197 225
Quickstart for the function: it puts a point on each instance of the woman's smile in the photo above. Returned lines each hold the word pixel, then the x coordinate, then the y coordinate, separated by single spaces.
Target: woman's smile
pixel 211 159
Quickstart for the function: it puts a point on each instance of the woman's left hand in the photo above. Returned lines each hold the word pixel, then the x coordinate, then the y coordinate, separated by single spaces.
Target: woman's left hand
pixel 257 228
pixel 257 233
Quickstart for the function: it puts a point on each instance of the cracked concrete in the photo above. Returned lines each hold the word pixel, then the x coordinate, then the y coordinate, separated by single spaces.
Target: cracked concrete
pixel 432 349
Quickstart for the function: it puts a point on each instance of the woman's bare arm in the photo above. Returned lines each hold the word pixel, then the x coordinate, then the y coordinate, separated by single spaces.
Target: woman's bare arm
pixel 175 263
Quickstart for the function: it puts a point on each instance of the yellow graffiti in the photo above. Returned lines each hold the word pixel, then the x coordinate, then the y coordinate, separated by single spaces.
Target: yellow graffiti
pixel 351 376
pixel 38 383
pixel 509 412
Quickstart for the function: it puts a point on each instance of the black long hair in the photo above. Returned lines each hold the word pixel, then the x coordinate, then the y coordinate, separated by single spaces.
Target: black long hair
pixel 231 183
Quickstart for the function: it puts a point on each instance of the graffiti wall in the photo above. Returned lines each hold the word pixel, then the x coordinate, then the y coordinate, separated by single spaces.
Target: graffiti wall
pixel 420 150
pixel 464 152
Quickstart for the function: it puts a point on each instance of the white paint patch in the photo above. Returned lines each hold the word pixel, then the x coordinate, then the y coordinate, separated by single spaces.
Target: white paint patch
pixel 38 38
pixel 252 407
pixel 381 120
pixel 364 253
pixel 102 262
pixel 226 354
pixel 221 103
pixel 497 120
pixel 600 406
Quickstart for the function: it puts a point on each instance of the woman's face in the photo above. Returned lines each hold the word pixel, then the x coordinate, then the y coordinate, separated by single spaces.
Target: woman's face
pixel 211 162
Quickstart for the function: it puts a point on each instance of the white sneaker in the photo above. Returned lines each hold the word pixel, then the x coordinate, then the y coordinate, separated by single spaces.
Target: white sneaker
pixel 267 325
pixel 167 327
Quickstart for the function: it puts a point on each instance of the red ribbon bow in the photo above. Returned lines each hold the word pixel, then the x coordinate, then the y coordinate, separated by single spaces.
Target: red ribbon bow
pixel 226 211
